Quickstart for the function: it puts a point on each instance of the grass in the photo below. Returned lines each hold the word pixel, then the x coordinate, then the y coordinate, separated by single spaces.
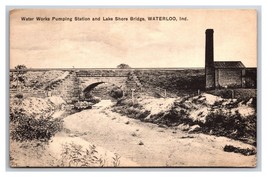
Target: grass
pixel 181 82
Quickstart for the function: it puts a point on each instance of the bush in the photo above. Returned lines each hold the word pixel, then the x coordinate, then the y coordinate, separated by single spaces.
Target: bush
pixel 174 116
pixel 231 125
pixel 24 127
pixel 116 93
pixel 225 123
pixel 73 155
pixel 132 110
pixel 19 96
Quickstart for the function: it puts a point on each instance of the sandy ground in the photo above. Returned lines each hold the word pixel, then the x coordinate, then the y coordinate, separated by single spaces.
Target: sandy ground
pixel 145 144
pixel 137 143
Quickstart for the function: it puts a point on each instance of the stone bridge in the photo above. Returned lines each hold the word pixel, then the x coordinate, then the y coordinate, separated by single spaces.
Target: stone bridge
pixel 125 79
pixel 88 83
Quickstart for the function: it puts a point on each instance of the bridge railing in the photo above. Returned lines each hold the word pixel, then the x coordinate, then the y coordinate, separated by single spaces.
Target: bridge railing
pixel 103 73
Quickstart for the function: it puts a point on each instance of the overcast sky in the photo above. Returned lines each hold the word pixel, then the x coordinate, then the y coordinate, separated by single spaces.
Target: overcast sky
pixel 138 44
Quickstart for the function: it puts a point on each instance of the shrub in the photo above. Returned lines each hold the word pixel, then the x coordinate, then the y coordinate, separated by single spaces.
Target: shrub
pixel 223 123
pixel 250 129
pixel 174 116
pixel 116 93
pixel 19 96
pixel 116 160
pixel 24 127
pixel 132 110
pixel 73 155
pixel 231 125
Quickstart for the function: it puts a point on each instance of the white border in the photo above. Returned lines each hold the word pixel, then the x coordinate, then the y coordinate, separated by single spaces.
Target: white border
pixel 130 172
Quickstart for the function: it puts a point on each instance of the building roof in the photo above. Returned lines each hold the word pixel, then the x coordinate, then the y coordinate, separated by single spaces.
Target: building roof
pixel 228 64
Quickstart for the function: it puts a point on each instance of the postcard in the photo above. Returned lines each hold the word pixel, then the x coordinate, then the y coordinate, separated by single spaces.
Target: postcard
pixel 133 87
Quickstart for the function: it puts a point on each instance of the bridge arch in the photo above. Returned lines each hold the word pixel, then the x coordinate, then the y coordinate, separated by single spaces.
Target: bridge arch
pixel 90 87
pixel 104 92
pixel 85 82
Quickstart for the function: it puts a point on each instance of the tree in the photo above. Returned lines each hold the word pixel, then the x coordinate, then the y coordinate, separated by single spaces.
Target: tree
pixel 123 66
pixel 20 71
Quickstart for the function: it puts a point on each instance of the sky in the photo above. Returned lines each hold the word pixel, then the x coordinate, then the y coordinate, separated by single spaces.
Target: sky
pixel 106 44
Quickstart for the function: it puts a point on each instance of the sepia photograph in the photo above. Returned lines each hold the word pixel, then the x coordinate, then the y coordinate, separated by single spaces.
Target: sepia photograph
pixel 132 87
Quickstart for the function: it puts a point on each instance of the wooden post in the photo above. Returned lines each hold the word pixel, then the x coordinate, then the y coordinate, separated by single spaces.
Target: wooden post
pixel 133 95
pixel 20 87
pixel 165 93
pixel 233 94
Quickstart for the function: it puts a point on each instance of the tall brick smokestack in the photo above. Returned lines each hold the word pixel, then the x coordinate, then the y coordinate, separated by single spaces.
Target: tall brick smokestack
pixel 209 60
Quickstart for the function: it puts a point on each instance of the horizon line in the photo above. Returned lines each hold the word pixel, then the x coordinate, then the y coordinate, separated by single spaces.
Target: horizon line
pixel 70 68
